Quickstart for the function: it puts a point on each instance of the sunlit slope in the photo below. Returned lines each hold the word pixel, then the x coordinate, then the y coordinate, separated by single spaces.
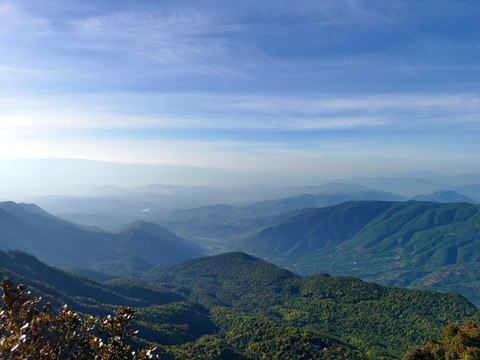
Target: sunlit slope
pixel 235 306
pixel 369 317
pixel 313 229
pixel 396 243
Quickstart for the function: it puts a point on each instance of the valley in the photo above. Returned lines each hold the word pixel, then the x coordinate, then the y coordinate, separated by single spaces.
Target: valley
pixel 340 228
pixel 316 304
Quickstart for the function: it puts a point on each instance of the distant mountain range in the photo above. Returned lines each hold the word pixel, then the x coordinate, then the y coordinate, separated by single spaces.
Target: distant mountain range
pixel 341 237
pixel 279 206
pixel 29 228
pixel 80 177
pixel 66 176
pixel 155 203
pixel 420 183
pixel 445 196
pixel 109 207
pixel 412 243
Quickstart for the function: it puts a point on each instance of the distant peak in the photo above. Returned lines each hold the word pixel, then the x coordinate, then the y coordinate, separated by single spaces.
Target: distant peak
pixel 8 203
pixel 445 196
pixel 237 255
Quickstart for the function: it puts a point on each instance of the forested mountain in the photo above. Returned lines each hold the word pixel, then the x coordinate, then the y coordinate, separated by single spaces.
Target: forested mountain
pixel 312 230
pixel 242 291
pixel 445 196
pixel 410 244
pixel 214 225
pixel 217 304
pixel 234 306
pixel 418 244
pixel 29 228
pixel 155 244
pixel 59 287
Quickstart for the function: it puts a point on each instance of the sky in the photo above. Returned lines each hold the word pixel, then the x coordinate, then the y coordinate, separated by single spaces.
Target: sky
pixel 309 88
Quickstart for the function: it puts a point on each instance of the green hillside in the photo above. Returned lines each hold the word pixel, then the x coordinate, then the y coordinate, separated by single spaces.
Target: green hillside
pixel 53 240
pixel 213 224
pixel 235 306
pixel 412 243
pixel 364 317
pixel 85 295
pixel 312 229
pixel 155 244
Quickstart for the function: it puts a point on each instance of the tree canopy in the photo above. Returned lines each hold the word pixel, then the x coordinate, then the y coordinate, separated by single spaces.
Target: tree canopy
pixel 29 330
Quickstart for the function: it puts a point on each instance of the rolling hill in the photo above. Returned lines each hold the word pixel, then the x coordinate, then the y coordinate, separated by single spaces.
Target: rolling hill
pixel 235 306
pixel 214 225
pixel 318 196
pixel 110 207
pixel 154 243
pixel 445 196
pixel 29 228
pixel 472 191
pixel 312 230
pixel 59 287
pixel 242 291
pixel 417 244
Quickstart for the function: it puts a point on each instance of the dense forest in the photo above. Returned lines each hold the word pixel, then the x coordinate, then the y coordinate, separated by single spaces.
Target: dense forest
pixel 413 244
pixel 234 306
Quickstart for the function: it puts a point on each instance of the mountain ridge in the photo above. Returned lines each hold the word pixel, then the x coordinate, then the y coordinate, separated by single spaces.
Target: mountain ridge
pixel 397 240
pixel 55 240
pixel 245 308
pixel 444 196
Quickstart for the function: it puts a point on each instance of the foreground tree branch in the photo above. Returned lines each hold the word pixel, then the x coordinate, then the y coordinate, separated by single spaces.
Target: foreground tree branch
pixel 30 331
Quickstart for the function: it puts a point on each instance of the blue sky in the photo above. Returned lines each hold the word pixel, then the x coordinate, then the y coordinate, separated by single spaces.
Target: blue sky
pixel 331 87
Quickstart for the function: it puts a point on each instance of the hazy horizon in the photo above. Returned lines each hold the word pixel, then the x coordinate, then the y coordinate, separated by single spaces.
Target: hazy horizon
pixel 24 179
pixel 253 92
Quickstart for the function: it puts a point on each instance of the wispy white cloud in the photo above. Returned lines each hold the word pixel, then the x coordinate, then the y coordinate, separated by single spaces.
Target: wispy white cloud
pixel 16 20
pixel 375 105
pixel 215 80
pixel 203 112
pixel 210 39
pixel 182 41
pixel 16 70
pixel 213 38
